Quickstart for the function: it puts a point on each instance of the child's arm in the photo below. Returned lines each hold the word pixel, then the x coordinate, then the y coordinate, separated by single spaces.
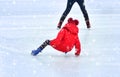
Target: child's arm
pixel 77 47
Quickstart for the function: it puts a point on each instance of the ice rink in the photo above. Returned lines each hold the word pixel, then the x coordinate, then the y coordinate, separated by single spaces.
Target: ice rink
pixel 25 24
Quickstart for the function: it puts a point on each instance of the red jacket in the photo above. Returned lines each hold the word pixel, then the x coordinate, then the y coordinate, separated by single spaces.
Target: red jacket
pixel 67 38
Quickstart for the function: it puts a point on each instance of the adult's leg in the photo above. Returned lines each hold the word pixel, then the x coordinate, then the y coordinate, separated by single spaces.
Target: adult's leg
pixel 84 11
pixel 66 12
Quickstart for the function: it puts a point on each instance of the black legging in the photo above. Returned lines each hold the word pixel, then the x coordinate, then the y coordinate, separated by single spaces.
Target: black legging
pixel 47 42
pixel 69 6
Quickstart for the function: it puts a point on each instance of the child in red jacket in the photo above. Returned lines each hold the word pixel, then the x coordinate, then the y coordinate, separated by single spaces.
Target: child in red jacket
pixel 66 39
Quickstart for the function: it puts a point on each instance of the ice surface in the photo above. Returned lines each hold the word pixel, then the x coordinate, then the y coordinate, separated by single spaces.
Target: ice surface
pixel 25 24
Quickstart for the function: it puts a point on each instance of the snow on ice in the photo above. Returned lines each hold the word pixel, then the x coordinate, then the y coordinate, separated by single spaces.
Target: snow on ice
pixel 25 24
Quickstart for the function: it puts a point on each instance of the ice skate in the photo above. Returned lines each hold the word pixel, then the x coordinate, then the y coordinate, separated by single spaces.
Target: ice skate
pixel 35 52
pixel 59 25
pixel 88 24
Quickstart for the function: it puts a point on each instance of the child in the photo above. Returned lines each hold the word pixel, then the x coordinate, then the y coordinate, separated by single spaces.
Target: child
pixel 68 8
pixel 66 39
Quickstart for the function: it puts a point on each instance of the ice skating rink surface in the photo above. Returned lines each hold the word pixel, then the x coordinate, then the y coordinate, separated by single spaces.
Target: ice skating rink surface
pixel 100 55
pixel 24 28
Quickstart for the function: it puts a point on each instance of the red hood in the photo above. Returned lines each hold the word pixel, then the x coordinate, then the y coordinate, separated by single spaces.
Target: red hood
pixel 72 28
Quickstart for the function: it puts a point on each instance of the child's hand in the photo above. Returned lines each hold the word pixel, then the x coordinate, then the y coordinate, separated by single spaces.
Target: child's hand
pixel 77 54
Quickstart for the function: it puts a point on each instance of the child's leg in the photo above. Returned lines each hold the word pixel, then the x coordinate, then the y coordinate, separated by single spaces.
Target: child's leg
pixel 35 52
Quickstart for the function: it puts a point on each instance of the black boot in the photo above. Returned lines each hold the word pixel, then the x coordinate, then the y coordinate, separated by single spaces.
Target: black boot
pixel 88 24
pixel 59 24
